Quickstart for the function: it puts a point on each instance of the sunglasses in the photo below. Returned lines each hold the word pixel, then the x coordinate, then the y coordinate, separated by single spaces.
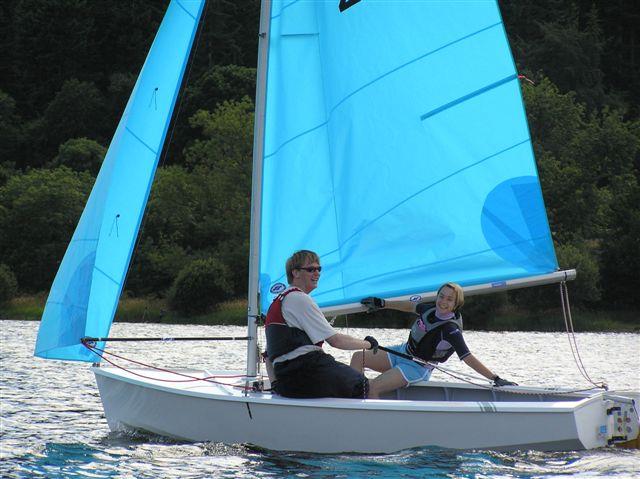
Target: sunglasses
pixel 312 269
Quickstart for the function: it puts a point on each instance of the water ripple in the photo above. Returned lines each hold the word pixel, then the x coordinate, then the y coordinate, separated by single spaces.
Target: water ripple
pixel 53 425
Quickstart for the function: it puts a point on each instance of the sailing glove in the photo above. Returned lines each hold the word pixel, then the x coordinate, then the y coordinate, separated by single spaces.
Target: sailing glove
pixel 372 303
pixel 373 342
pixel 498 381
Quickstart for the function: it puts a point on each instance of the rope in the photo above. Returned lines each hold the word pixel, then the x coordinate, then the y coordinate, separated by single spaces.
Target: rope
pixel 457 376
pixel 102 354
pixel 573 343
pixel 364 379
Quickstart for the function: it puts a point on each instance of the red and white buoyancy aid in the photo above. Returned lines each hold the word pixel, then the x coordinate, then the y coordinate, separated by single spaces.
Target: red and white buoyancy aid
pixel 282 338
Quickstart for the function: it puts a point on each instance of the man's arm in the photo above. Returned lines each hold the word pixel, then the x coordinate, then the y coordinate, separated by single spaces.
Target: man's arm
pixel 349 343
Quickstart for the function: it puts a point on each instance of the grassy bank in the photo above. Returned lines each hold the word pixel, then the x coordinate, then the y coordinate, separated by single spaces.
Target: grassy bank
pixel 154 310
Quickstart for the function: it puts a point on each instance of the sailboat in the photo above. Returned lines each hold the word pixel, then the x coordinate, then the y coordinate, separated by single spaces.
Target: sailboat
pixel 391 138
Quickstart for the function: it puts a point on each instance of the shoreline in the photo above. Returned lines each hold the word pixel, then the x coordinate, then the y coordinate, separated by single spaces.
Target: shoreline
pixel 233 313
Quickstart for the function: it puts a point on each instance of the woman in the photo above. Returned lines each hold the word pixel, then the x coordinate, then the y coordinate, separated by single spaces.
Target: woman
pixel 435 336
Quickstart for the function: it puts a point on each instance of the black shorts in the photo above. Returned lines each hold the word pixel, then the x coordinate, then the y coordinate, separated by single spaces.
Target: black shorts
pixel 316 375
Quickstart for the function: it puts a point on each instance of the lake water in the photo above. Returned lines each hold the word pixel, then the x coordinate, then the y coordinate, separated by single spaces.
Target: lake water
pixel 53 425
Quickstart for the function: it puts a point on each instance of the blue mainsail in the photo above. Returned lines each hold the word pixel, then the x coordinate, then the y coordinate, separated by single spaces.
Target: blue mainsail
pixel 84 295
pixel 396 146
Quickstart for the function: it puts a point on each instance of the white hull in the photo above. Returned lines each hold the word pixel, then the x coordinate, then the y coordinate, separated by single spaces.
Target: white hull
pixel 471 418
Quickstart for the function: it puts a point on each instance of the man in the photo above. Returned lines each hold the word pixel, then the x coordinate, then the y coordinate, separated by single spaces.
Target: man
pixel 296 329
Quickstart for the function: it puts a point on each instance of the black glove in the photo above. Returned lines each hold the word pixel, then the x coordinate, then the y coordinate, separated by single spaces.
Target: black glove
pixel 498 381
pixel 374 343
pixel 372 303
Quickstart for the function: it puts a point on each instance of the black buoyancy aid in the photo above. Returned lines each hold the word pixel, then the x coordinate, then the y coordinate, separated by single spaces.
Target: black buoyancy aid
pixel 421 333
pixel 282 338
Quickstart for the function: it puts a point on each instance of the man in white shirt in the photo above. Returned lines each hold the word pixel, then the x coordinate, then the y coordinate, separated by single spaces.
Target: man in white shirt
pixel 296 329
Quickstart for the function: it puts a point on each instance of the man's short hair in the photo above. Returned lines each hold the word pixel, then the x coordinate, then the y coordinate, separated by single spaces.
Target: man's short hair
pixel 298 260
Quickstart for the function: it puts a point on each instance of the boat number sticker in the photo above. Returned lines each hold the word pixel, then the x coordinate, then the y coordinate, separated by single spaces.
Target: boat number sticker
pixel 278 288
pixel 415 298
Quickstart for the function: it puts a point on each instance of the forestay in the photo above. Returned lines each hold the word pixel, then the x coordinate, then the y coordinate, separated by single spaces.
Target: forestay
pixel 396 146
pixel 84 296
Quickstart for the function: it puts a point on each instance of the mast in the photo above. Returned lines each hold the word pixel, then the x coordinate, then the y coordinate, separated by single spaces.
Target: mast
pixel 256 189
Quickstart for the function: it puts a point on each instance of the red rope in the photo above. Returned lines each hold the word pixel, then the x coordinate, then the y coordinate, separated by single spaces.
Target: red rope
pixel 101 353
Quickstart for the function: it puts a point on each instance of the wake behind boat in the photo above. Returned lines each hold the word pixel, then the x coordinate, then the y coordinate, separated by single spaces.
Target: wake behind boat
pixel 391 138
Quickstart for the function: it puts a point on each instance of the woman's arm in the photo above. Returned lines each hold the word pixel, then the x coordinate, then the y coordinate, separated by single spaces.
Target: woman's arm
pixel 406 306
pixel 475 364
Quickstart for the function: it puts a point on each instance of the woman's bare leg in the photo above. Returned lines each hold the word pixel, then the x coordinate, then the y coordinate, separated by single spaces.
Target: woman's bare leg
pixel 378 362
pixel 387 381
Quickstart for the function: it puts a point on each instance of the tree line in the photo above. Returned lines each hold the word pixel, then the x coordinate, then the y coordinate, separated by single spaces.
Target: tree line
pixel 69 68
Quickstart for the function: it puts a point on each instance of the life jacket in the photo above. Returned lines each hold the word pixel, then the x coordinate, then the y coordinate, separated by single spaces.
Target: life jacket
pixel 282 338
pixel 422 332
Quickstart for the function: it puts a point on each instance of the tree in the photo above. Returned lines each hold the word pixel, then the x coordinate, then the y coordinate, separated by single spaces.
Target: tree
pixel 201 285
pixel 80 154
pixel 215 86
pixel 38 214
pixel 222 171
pixel 10 132
pixel 8 284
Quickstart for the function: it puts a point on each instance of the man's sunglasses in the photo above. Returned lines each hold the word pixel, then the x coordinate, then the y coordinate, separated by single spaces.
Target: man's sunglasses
pixel 312 269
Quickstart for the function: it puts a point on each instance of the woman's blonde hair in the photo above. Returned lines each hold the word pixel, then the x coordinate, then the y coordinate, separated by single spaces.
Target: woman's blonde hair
pixel 298 260
pixel 459 294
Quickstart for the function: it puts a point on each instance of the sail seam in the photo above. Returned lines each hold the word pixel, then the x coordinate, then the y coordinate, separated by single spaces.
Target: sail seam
pixel 400 67
pixel 428 187
pixel 366 85
pixel 448 260
pixel 106 275
pixel 185 10
pixel 141 141
pixel 464 98
pixel 357 232
pixel 283 8
pixel 63 304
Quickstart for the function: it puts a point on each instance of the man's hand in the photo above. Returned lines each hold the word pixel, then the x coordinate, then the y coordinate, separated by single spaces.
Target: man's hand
pixel 498 381
pixel 373 342
pixel 372 303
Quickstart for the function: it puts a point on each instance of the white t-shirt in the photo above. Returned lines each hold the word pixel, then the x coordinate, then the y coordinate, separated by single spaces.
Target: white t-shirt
pixel 302 312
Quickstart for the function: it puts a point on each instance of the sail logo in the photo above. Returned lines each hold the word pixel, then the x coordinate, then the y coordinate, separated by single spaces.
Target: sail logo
pixel 278 288
pixel 344 4
pixel 415 298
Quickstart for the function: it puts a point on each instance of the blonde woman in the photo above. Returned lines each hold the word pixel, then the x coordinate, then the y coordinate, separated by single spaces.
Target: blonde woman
pixel 435 335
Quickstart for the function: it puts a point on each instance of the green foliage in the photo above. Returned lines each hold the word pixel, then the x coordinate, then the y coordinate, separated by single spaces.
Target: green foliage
pixel 78 110
pixel 8 283
pixel 38 214
pixel 218 84
pixel 80 154
pixel 155 267
pixel 583 257
pixel 11 134
pixel 229 133
pixel 621 257
pixel 200 286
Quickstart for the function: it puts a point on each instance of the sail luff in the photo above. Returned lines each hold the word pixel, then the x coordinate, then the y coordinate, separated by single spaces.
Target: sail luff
pixel 256 189
pixel 84 296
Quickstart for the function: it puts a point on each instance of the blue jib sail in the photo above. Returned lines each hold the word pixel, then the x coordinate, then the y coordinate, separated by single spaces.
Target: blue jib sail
pixel 397 148
pixel 84 295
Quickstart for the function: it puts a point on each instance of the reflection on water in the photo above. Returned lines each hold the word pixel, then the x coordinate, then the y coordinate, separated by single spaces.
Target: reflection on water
pixel 53 425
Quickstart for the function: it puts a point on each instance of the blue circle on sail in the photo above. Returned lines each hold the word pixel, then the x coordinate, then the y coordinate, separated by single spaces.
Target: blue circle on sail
pixel 514 224
pixel 278 288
